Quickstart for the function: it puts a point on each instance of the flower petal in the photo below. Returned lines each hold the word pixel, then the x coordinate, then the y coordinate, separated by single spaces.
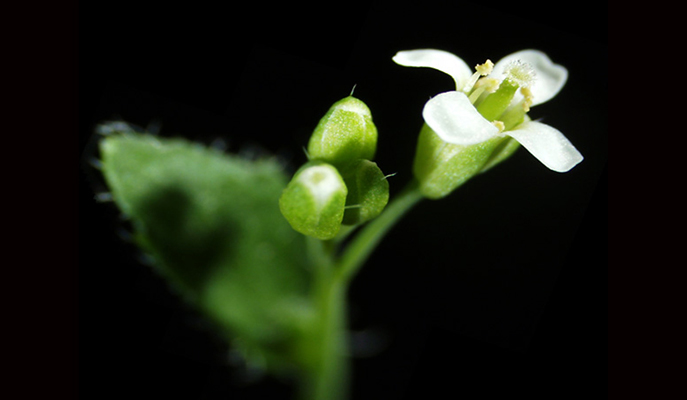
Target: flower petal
pixel 455 120
pixel 549 79
pixel 443 61
pixel 547 144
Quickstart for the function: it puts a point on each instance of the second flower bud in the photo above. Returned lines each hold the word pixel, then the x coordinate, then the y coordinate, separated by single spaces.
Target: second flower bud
pixel 345 133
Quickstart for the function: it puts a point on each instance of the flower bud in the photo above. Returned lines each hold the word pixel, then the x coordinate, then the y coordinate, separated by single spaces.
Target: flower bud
pixel 368 191
pixel 344 134
pixel 313 202
pixel 441 167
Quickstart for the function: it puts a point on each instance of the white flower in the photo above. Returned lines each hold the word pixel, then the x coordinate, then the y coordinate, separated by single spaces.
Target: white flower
pixel 471 115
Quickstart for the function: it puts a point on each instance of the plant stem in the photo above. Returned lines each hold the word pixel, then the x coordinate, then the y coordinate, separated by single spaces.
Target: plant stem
pixel 369 237
pixel 328 376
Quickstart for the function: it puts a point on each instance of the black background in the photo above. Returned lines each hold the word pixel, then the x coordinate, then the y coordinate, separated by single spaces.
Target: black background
pixel 499 289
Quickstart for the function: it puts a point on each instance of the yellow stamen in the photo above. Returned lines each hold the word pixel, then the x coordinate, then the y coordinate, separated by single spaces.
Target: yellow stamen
pixel 486 68
pixel 482 70
pixel 528 98
pixel 499 125
pixel 489 84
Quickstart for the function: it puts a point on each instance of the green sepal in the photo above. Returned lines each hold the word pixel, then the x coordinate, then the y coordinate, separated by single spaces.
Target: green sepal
pixel 368 192
pixel 504 150
pixel 441 167
pixel 212 225
pixel 313 201
pixel 345 133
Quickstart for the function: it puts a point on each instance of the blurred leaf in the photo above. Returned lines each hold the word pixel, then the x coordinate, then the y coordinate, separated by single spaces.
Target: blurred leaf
pixel 212 223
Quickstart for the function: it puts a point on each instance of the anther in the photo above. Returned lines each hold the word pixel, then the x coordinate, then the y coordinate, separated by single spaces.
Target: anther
pixel 482 70
pixel 486 68
pixel 500 125
pixel 488 85
pixel 528 98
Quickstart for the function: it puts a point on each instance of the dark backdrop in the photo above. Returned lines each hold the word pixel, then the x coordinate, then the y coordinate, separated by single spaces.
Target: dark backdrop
pixel 499 289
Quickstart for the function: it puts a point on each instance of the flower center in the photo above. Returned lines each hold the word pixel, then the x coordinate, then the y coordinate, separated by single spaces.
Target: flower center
pixel 494 99
pixel 521 73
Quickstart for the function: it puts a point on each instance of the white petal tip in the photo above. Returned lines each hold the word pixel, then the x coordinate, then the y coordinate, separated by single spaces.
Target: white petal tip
pixel 548 145
pixel 440 60
pixel 568 164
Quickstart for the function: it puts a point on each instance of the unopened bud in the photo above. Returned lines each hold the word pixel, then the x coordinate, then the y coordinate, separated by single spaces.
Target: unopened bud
pixel 346 133
pixel 313 202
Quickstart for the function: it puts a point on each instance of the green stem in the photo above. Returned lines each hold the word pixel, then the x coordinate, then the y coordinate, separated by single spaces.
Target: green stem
pixel 328 375
pixel 369 237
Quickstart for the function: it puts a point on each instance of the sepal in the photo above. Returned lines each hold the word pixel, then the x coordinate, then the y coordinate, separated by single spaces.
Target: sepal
pixel 368 192
pixel 441 167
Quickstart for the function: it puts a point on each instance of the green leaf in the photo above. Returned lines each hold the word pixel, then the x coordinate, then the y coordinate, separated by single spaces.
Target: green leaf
pixel 212 223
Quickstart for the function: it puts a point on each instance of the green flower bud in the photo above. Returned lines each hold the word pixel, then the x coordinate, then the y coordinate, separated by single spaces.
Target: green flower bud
pixel 313 202
pixel 441 167
pixel 368 191
pixel 346 133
